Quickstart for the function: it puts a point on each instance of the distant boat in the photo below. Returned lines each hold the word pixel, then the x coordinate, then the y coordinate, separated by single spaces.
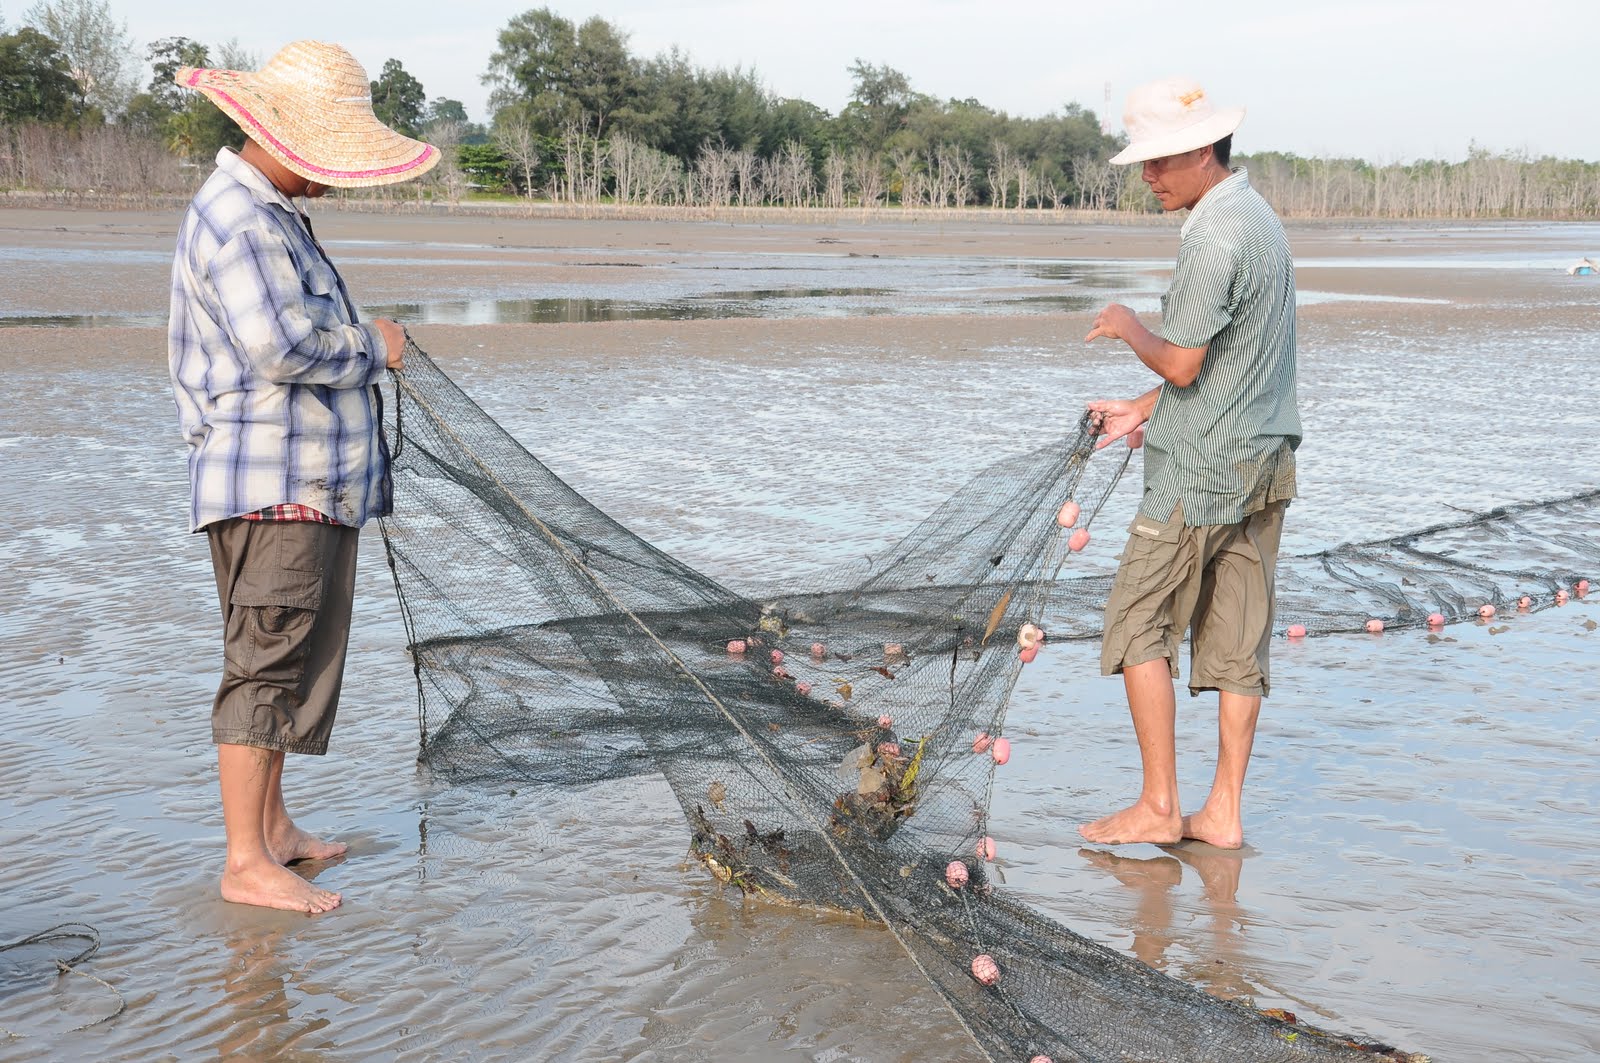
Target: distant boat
pixel 1584 267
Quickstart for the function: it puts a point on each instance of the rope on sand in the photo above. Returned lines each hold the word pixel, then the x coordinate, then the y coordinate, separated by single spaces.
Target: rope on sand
pixel 70 932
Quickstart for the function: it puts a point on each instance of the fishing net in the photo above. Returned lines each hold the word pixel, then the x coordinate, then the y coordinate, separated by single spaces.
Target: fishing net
pixel 834 744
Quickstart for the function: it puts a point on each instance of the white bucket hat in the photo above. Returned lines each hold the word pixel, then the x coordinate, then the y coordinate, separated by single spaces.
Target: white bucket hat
pixel 1170 117
pixel 310 107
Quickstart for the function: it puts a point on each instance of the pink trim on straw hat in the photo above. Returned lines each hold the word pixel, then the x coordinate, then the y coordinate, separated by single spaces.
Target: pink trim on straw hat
pixel 257 128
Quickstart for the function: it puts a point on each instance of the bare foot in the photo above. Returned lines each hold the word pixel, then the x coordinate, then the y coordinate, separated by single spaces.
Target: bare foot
pixel 1136 823
pixel 271 886
pixel 1220 829
pixel 294 844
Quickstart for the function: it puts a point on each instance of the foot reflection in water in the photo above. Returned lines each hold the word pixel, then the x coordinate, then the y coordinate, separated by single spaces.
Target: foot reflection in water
pixel 1213 962
pixel 260 1014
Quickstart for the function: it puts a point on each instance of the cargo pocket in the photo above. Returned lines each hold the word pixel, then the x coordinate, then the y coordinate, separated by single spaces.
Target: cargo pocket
pixel 1152 549
pixel 272 615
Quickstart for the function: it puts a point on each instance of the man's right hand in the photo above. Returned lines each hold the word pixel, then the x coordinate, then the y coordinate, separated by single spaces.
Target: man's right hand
pixel 394 340
pixel 1116 418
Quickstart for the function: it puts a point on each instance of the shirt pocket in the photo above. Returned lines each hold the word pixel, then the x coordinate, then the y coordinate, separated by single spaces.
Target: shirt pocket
pixel 324 300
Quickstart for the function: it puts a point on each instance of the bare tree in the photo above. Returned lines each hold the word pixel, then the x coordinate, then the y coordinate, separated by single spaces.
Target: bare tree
pixel 517 141
pixel 747 177
pixel 583 171
pixel 789 179
pixel 866 174
pixel 714 170
pixel 833 180
pixel 1000 173
pixel 446 177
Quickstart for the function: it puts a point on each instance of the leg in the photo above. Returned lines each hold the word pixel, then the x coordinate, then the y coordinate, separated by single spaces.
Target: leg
pixel 1154 816
pixel 285 841
pixel 1232 645
pixel 252 875
pixel 1219 821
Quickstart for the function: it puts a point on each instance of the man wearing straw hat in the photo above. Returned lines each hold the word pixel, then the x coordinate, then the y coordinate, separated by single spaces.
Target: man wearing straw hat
pixel 276 385
pixel 1219 434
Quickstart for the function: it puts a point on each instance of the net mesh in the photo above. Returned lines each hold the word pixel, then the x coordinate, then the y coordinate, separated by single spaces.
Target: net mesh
pixel 832 744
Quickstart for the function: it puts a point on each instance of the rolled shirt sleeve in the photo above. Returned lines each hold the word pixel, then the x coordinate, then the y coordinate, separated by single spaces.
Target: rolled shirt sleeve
pixel 270 315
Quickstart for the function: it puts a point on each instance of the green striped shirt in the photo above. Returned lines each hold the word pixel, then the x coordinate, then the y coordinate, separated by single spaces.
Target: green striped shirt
pixel 1224 445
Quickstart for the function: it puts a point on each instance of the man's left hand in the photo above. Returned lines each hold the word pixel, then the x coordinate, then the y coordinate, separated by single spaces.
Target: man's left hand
pixel 1115 322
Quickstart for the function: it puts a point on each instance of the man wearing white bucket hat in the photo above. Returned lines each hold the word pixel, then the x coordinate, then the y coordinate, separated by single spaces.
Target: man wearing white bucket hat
pixel 276 387
pixel 1219 435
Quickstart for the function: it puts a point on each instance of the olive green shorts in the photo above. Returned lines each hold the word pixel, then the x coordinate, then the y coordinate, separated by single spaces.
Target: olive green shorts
pixel 286 589
pixel 1215 582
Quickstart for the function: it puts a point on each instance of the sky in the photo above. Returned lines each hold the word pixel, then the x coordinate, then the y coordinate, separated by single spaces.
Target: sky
pixel 1387 81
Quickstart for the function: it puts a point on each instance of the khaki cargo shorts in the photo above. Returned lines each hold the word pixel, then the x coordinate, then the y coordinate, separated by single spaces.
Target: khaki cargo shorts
pixel 1215 582
pixel 286 589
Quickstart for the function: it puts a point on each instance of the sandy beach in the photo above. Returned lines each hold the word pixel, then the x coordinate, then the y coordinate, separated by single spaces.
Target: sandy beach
pixel 761 398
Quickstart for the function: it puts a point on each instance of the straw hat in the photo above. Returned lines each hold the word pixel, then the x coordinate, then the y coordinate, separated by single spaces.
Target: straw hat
pixel 310 107
pixel 1170 117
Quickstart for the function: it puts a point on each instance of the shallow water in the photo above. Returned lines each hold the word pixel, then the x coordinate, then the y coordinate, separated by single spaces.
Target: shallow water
pixel 1417 868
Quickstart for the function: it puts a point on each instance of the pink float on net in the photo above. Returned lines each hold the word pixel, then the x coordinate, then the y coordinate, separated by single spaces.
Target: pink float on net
pixel 1374 626
pixel 885 721
pixel 1296 631
pixel 1436 620
pixel 956 874
pixel 985 970
pixel 736 645
pixel 980 744
pixel 1486 611
pixel 1028 654
pixel 818 650
pixel 803 688
pixel 1001 752
pixel 1078 540
pixel 986 849
pixel 1029 635
pixel 1067 515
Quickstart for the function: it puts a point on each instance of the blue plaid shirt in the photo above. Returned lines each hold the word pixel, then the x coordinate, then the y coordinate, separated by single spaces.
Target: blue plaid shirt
pixel 276 381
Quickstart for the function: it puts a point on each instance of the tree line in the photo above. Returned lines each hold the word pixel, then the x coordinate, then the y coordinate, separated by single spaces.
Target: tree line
pixel 577 118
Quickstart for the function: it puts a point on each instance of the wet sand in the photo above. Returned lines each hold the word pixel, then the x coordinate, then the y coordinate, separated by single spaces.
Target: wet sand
pixel 1416 869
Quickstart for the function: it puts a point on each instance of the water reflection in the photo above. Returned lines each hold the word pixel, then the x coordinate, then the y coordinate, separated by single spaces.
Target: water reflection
pixel 85 320
pixel 263 1016
pixel 1213 965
